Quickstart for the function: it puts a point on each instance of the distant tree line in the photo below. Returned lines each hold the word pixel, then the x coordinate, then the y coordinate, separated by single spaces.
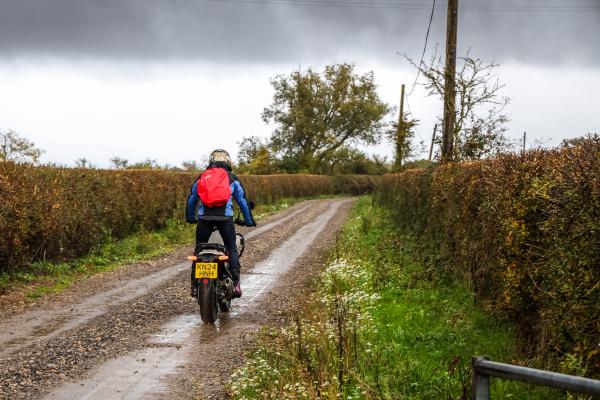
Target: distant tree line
pixel 149 163
pixel 16 148
pixel 257 157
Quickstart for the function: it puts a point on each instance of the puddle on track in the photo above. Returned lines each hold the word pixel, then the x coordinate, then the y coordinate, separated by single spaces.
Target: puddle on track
pixel 142 374
pixel 18 332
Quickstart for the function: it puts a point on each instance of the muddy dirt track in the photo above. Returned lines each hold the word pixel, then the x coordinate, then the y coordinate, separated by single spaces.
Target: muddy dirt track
pixel 135 333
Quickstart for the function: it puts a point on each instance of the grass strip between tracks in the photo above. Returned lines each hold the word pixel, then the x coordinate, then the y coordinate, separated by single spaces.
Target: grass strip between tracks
pixel 47 277
pixel 379 325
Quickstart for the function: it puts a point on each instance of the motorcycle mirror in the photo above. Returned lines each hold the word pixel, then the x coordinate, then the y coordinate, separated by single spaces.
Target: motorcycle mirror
pixel 251 205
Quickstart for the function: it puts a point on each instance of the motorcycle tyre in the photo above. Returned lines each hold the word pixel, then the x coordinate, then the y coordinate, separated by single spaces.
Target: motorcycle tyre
pixel 207 300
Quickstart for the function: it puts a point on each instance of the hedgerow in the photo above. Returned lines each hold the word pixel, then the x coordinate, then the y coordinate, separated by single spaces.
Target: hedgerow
pixel 53 214
pixel 524 230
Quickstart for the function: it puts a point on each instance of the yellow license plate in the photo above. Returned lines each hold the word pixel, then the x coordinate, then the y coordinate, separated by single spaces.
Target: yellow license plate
pixel 206 270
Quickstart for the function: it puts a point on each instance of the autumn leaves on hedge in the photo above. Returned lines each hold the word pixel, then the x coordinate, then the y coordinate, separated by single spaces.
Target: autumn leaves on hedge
pixel 59 213
pixel 525 231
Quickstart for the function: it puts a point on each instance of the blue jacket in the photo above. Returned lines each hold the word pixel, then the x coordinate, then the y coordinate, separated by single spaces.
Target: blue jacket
pixel 218 213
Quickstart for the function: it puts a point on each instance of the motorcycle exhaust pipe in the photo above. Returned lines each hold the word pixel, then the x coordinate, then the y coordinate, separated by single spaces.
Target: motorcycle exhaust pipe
pixel 228 283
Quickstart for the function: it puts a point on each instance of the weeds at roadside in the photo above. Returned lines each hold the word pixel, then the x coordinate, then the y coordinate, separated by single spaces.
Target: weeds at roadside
pixel 379 325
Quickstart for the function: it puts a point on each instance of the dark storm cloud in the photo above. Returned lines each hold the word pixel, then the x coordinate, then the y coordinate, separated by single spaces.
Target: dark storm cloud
pixel 257 32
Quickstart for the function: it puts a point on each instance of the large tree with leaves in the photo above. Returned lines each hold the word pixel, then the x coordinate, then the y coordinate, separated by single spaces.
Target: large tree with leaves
pixel 316 114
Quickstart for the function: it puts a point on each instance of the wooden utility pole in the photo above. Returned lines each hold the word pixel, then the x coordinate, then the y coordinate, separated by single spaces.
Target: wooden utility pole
pixel 524 141
pixel 450 84
pixel 432 141
pixel 400 133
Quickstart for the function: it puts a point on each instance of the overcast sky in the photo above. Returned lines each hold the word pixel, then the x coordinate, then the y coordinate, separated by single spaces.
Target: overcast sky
pixel 172 79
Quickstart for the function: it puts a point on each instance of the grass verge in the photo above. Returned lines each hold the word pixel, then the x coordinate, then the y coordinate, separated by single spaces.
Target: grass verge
pixel 43 277
pixel 379 325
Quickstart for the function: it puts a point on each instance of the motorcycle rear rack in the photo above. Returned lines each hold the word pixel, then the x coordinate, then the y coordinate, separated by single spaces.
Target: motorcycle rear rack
pixel 213 246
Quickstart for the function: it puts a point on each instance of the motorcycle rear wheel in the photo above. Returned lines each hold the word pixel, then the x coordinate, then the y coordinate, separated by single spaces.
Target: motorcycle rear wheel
pixel 207 299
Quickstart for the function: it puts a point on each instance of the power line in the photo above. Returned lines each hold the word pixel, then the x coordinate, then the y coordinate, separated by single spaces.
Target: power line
pixel 415 6
pixel 419 69
pixel 424 49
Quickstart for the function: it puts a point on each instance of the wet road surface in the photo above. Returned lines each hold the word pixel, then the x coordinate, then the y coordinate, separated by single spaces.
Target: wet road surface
pixel 144 369
pixel 23 330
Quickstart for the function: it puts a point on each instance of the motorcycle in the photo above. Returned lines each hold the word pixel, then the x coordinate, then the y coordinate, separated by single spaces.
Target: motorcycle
pixel 213 280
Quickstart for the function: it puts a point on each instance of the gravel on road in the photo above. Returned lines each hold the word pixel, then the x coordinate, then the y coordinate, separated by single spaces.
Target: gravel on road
pixel 72 354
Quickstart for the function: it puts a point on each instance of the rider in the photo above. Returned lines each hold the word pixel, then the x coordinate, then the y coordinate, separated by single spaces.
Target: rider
pixel 220 217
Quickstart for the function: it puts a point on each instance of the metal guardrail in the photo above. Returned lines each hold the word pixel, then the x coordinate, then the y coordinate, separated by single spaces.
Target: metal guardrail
pixel 483 369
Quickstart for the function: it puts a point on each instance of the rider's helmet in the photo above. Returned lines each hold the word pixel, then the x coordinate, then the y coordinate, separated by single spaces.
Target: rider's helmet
pixel 220 155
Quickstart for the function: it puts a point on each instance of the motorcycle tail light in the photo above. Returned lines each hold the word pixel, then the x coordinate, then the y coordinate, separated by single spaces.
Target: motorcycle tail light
pixel 205 281
pixel 223 258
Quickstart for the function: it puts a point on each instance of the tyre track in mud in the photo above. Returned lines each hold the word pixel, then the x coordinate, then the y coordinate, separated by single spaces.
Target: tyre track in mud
pixel 68 353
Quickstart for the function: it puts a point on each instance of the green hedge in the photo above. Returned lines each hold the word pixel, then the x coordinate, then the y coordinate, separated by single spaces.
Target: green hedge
pixel 57 213
pixel 525 232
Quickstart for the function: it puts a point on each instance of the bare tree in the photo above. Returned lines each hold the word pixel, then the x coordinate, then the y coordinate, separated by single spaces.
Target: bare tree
pixel 18 149
pixel 119 163
pixel 83 163
pixel 148 163
pixel 480 124
pixel 190 165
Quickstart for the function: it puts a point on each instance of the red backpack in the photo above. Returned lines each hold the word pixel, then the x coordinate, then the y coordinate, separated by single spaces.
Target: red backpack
pixel 213 187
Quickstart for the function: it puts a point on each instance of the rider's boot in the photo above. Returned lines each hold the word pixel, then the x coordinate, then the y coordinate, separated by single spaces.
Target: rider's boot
pixel 237 289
